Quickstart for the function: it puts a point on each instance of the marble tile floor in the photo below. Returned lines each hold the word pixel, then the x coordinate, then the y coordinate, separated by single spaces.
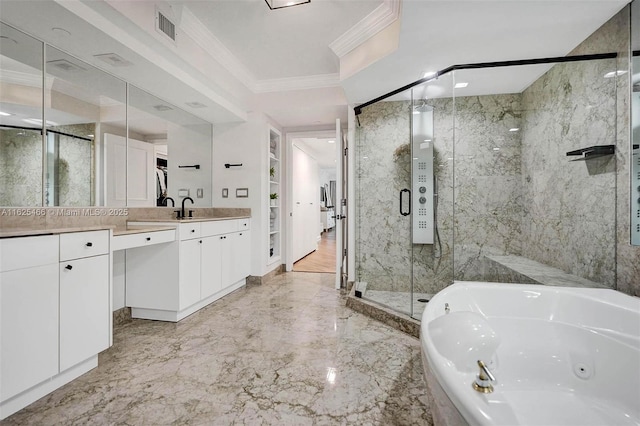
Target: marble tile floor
pixel 287 352
pixel 399 301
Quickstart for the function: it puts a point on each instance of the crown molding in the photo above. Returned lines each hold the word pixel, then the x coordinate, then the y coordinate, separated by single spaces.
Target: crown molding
pixel 298 83
pixel 22 78
pixel 199 33
pixel 370 25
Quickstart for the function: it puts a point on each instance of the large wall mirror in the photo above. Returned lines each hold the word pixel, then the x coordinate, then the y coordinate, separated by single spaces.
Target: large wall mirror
pixel 21 153
pixel 635 124
pixel 105 142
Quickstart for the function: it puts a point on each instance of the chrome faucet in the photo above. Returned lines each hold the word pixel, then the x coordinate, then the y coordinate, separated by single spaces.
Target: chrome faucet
pixel 164 201
pixel 182 216
pixel 483 380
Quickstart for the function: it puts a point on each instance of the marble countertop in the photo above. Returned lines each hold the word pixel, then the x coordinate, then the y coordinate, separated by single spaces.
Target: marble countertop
pixel 131 227
pixel 26 232
pixel 139 229
pixel 193 219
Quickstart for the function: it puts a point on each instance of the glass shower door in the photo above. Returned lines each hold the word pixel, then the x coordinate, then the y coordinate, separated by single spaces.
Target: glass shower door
pixel 399 250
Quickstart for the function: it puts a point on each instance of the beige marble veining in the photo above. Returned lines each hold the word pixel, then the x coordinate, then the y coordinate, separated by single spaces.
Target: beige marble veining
pixel 22 221
pixel 288 352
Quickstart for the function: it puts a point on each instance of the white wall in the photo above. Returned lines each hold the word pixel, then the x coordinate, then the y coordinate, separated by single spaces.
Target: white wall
pixel 246 143
pixel 326 175
pixel 187 146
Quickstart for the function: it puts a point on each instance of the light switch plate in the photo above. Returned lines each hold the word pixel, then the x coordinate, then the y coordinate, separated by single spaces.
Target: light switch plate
pixel 199 193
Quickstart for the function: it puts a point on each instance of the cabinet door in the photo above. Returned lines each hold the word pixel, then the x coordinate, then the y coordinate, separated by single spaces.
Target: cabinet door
pixel 242 254
pixel 236 258
pixel 210 269
pixel 28 328
pixel 189 291
pixel 84 309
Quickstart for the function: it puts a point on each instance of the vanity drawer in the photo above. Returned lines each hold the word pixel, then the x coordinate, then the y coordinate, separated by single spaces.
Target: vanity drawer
pixel 28 252
pixel 189 230
pixel 218 227
pixel 244 224
pixel 83 244
pixel 121 242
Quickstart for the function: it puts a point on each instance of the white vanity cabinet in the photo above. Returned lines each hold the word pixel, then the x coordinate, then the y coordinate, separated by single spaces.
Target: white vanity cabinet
pixel 171 281
pixel 55 312
pixel 84 296
pixel 28 312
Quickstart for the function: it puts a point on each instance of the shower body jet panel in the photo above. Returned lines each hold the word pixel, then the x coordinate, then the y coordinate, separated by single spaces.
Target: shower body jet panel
pixel 422 175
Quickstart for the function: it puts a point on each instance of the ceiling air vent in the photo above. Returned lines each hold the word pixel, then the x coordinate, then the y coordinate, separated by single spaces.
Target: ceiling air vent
pixel 165 25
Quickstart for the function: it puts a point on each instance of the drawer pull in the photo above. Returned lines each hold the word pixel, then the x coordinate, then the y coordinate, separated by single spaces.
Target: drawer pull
pixel 68 267
pixel 148 238
pixel 89 244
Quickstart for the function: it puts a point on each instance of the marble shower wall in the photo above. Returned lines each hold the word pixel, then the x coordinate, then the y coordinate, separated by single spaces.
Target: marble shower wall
pixel 614 36
pixel 569 216
pixel 20 168
pixel 488 191
pixel 76 164
pixel 384 250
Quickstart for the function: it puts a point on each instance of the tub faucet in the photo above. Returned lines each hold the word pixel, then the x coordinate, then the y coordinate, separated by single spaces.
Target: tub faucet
pixel 183 200
pixel 483 380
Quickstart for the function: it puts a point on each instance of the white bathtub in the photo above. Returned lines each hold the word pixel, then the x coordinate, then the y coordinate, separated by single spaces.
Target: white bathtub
pixel 560 356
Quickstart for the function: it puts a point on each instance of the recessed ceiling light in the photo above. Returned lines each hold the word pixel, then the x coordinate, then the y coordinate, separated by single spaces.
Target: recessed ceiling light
pixel 331 141
pixel 514 129
pixel 496 149
pixel 460 85
pixel 4 114
pixel 60 31
pixel 162 107
pixel 427 140
pixel 428 74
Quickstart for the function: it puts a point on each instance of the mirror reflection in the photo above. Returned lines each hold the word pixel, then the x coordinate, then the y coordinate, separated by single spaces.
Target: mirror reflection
pixel 165 143
pixel 96 150
pixel 21 142
pixel 82 104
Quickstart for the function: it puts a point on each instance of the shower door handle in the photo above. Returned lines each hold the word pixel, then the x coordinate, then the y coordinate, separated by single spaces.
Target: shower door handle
pixel 403 213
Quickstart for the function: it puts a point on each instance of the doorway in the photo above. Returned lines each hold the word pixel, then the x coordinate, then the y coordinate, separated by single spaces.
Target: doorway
pixel 312 198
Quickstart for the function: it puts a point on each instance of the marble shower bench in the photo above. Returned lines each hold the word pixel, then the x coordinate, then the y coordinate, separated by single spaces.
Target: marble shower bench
pixel 518 269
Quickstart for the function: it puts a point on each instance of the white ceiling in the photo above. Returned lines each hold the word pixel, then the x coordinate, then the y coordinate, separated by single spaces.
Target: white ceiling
pixel 320 149
pixel 289 42
pixel 238 56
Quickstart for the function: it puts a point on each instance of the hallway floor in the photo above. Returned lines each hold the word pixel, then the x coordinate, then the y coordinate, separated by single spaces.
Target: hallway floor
pixel 321 260
pixel 288 352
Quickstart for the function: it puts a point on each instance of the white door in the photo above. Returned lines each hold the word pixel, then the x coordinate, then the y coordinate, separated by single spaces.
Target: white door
pixel 139 178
